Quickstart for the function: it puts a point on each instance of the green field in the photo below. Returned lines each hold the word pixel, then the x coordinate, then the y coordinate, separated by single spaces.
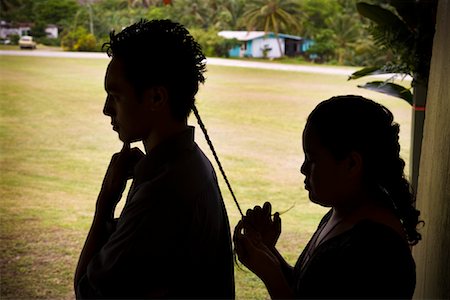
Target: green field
pixel 55 145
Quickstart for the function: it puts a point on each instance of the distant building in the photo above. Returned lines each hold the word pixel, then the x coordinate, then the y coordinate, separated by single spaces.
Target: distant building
pixel 21 29
pixel 52 31
pixel 260 44
pixel 6 29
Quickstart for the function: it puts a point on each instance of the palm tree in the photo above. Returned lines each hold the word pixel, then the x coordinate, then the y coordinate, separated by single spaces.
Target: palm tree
pixel 224 14
pixel 235 10
pixel 191 13
pixel 346 31
pixel 273 16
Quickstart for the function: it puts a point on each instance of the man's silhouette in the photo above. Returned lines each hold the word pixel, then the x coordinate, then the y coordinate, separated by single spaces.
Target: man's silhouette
pixel 172 239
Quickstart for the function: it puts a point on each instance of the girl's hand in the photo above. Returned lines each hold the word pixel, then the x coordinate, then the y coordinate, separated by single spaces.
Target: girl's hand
pixel 261 221
pixel 253 253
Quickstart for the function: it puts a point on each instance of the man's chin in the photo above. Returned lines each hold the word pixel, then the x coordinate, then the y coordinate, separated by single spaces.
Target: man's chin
pixel 127 139
pixel 123 138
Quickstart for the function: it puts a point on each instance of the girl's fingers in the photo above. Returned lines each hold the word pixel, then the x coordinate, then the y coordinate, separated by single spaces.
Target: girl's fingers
pixel 267 209
pixel 238 240
pixel 277 221
pixel 238 230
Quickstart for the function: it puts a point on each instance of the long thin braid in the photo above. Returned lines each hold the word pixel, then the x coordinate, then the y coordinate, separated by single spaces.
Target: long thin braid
pixel 202 126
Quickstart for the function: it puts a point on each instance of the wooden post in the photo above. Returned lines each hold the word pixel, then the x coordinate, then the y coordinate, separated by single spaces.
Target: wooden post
pixel 418 117
pixel 432 254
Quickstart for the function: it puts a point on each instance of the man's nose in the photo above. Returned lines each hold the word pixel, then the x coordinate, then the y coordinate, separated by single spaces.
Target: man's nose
pixel 107 109
pixel 303 168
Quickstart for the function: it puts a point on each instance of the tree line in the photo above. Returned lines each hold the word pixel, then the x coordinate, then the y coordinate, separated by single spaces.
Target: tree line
pixel 339 33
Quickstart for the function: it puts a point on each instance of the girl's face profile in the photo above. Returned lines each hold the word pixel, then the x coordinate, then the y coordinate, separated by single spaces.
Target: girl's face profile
pixel 325 176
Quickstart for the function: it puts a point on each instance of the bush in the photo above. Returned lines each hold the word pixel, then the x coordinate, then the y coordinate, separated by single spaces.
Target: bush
pixel 14 38
pixel 100 41
pixel 324 48
pixel 79 40
pixel 212 44
pixel 38 30
pixel 56 42
pixel 86 42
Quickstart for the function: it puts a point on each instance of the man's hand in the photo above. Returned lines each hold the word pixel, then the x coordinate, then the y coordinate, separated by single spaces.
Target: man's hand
pixel 260 220
pixel 120 169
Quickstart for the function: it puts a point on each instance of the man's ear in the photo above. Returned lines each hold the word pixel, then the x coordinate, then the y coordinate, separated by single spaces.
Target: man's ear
pixel 355 163
pixel 157 97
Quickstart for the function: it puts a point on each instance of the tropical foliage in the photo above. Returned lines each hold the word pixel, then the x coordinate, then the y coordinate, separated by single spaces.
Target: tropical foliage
pixel 339 33
pixel 406 30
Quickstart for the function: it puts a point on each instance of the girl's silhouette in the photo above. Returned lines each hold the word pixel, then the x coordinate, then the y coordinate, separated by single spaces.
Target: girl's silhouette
pixel 361 248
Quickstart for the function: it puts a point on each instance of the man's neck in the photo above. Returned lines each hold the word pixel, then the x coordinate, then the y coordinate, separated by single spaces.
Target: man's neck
pixel 159 135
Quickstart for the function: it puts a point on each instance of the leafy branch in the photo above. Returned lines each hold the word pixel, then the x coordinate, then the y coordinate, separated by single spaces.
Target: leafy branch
pixel 407 31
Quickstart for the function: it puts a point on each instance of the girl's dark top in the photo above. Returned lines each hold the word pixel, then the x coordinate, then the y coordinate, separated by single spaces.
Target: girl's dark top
pixel 370 260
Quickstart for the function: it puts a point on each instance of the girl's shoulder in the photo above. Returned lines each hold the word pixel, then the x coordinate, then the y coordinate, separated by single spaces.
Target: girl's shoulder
pixel 370 260
pixel 369 238
pixel 373 246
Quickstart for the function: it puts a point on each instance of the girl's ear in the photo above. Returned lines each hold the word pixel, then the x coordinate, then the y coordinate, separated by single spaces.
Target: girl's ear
pixel 355 163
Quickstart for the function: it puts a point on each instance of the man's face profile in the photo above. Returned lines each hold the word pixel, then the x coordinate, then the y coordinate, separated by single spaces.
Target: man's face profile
pixel 129 114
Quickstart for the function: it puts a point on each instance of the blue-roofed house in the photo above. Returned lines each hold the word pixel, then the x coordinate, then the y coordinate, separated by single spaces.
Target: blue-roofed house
pixel 260 44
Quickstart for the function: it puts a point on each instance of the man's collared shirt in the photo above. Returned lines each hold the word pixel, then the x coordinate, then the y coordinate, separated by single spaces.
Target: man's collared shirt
pixel 172 239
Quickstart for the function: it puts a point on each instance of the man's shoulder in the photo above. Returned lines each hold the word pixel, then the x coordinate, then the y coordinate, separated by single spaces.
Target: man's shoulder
pixel 186 176
pixel 192 166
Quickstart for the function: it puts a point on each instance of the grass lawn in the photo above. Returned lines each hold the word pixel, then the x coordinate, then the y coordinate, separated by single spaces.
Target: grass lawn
pixel 55 145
